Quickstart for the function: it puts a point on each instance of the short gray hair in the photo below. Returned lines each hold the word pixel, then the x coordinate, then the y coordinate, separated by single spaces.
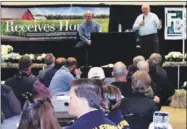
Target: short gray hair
pixel 88 89
pixel 156 57
pixel 137 59
pixel 119 69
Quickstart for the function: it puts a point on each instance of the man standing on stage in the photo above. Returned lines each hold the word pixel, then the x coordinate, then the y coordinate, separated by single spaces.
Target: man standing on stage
pixel 147 25
pixel 85 30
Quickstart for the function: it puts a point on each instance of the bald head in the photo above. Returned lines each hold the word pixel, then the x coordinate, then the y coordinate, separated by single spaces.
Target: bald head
pixel 143 66
pixel 119 69
pixel 88 15
pixel 145 9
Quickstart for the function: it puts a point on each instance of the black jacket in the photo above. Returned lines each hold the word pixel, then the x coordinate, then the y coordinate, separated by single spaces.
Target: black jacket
pixel 138 105
pixel 21 83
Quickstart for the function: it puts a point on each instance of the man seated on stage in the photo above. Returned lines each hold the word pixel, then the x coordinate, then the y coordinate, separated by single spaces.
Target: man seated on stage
pixel 147 25
pixel 86 28
pixel 85 99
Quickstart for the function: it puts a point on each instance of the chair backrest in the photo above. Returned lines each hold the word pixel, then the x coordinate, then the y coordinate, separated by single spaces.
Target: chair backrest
pixel 137 121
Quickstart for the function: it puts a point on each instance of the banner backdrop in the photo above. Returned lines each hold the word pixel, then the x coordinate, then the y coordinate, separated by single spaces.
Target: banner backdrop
pixel 48 23
pixel 175 23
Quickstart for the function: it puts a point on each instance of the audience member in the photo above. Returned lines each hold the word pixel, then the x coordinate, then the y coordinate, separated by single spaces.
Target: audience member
pixel 10 105
pixel 139 109
pixel 22 82
pixel 113 95
pixel 85 99
pixel 38 114
pixel 49 61
pixel 120 73
pixel 156 59
pixel 62 79
pixel 51 72
pixel 133 68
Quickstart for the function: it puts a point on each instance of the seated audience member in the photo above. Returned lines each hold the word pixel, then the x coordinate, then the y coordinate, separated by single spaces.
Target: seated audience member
pixel 139 109
pixel 22 82
pixel 51 72
pixel 38 114
pixel 120 73
pixel 153 91
pixel 62 79
pixel 163 84
pixel 85 99
pixel 113 96
pixel 10 105
pixel 96 73
pixel 49 61
pixel 133 68
pixel 157 60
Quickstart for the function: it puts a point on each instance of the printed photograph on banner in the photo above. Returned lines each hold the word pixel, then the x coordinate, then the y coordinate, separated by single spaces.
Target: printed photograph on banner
pixel 48 23
pixel 175 23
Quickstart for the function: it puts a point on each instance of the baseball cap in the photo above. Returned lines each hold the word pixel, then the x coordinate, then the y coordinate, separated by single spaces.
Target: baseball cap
pixel 96 73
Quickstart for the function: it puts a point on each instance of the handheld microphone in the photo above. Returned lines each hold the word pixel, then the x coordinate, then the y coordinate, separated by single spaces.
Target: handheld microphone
pixel 143 17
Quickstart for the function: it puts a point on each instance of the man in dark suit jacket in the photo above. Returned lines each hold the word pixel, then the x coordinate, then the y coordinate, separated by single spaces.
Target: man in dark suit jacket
pixel 23 81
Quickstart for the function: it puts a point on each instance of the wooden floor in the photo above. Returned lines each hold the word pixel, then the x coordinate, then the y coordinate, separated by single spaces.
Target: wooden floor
pixel 177 117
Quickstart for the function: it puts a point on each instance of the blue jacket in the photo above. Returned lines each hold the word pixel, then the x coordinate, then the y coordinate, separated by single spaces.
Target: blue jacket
pixel 93 120
pixel 116 116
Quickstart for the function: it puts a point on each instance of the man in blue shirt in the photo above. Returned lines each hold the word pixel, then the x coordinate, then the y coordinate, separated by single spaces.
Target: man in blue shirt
pixel 147 25
pixel 85 30
pixel 62 79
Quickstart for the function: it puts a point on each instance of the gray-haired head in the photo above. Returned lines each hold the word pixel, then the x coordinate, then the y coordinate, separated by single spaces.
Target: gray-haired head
pixel 89 90
pixel 119 69
pixel 49 59
pixel 143 66
pixel 137 59
pixel 155 58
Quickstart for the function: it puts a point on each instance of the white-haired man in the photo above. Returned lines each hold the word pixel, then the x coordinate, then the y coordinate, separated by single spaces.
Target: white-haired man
pixel 147 25
pixel 120 74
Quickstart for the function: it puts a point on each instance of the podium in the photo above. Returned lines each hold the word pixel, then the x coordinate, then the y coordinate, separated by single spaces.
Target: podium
pixel 112 47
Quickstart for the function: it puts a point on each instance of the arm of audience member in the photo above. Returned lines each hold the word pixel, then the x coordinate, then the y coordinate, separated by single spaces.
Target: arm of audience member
pixel 81 34
pixel 78 73
pixel 151 112
pixel 136 25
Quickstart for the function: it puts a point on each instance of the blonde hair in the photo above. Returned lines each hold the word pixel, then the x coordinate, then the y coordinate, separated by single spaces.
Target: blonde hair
pixel 141 81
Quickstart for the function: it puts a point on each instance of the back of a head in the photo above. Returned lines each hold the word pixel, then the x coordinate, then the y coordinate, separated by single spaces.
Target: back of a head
pixel 60 62
pixel 119 69
pixel 71 62
pixel 113 95
pixel 24 63
pixel 156 58
pixel 38 114
pixel 89 90
pixel 137 59
pixel 143 66
pixel 141 81
pixel 96 73
pixel 49 59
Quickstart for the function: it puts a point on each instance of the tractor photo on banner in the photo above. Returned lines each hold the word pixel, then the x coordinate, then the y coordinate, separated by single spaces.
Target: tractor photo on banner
pixel 48 23
pixel 175 23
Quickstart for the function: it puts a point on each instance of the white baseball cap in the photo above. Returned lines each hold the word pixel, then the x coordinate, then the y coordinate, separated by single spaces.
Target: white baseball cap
pixel 96 73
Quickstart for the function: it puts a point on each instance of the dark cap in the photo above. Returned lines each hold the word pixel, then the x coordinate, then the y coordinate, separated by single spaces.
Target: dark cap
pixel 24 63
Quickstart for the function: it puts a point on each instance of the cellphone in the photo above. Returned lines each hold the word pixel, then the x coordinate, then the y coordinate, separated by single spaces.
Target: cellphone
pixel 161 120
